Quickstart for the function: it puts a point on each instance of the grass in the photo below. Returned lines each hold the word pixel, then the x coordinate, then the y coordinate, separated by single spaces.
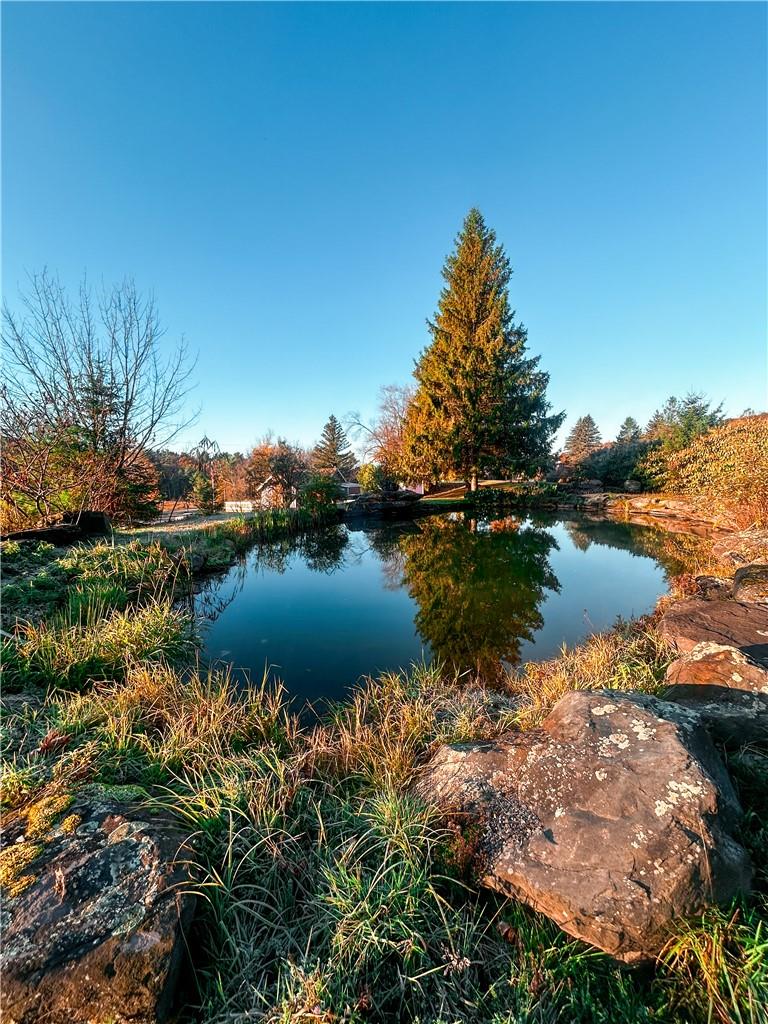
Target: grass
pixel 214 545
pixel 39 579
pixel 71 651
pixel 633 656
pixel 328 892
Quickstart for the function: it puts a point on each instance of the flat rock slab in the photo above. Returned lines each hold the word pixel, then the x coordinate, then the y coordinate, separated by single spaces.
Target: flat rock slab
pixel 613 819
pixel 93 928
pixel 737 624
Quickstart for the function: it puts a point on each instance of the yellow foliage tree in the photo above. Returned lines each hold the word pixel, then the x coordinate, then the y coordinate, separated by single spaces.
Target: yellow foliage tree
pixel 728 469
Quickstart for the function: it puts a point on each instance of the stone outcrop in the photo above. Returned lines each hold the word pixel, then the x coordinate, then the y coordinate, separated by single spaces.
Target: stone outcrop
pixel 735 623
pixel 388 503
pixel 665 507
pixel 71 528
pixel 613 819
pixel 94 915
pixel 726 688
pixel 750 584
pixel 719 666
pixel 742 548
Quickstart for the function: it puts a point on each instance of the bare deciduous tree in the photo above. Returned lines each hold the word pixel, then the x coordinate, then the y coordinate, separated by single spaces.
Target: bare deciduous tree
pixel 382 439
pixel 86 386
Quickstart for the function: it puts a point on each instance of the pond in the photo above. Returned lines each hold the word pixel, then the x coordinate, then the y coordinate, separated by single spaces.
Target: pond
pixel 323 610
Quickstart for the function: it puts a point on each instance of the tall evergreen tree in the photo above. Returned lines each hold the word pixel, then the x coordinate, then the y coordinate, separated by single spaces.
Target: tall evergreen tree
pixel 679 421
pixel 480 404
pixel 583 439
pixel 629 431
pixel 332 450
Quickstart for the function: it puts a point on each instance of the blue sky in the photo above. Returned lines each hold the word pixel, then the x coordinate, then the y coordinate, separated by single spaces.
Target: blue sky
pixel 287 179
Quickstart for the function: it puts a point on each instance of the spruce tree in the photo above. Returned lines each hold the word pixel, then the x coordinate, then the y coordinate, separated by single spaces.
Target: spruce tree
pixel 583 439
pixel 480 405
pixel 204 494
pixel 332 450
pixel 629 431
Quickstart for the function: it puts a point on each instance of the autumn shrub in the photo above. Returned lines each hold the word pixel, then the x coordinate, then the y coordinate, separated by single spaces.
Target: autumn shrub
pixel 727 470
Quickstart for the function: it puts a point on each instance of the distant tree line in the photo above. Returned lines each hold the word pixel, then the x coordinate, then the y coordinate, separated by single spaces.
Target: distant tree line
pixel 90 407
pixel 637 454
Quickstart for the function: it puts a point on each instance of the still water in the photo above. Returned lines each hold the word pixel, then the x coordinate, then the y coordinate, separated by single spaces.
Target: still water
pixel 323 610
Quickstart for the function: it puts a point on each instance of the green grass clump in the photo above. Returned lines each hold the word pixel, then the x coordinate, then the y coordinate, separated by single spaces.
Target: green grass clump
pixel 70 652
pixel 137 568
pixel 39 580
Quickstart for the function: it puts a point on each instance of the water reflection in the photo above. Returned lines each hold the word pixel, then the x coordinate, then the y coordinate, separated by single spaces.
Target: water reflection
pixel 332 605
pixel 477 586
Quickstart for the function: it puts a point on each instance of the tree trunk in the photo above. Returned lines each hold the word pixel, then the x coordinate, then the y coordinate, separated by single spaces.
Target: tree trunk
pixel 473 480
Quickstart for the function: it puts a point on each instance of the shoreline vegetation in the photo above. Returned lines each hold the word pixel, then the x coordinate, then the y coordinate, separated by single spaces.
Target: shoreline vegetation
pixel 327 891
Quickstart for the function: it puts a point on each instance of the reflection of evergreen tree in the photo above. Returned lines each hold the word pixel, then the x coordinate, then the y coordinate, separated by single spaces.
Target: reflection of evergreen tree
pixel 579 538
pixel 323 550
pixel 478 590
pixel 274 556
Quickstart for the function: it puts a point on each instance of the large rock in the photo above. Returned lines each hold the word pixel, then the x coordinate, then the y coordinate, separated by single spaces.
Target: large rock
pixel 93 524
pixel 94 913
pixel 750 584
pixel 726 688
pixel 718 666
pixel 742 548
pixel 613 819
pixel 688 623
pixel 386 503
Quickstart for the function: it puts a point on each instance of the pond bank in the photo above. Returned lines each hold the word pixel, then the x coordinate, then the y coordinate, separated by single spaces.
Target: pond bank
pixel 322 827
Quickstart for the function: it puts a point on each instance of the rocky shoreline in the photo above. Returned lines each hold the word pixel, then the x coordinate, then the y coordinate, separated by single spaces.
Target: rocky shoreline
pixel 617 816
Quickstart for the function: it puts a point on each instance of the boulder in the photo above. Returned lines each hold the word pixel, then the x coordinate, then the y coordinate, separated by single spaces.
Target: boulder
pixel 93 524
pixel 718 666
pixel 94 914
pixel 695 621
pixel 71 528
pixel 60 536
pixel 633 486
pixel 385 503
pixel 713 588
pixel 613 819
pixel 726 688
pixel 750 584
pixel 742 548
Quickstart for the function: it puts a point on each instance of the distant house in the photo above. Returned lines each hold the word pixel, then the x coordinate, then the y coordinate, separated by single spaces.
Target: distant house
pixel 267 494
pixel 249 505
pixel 351 488
pixel 270 494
